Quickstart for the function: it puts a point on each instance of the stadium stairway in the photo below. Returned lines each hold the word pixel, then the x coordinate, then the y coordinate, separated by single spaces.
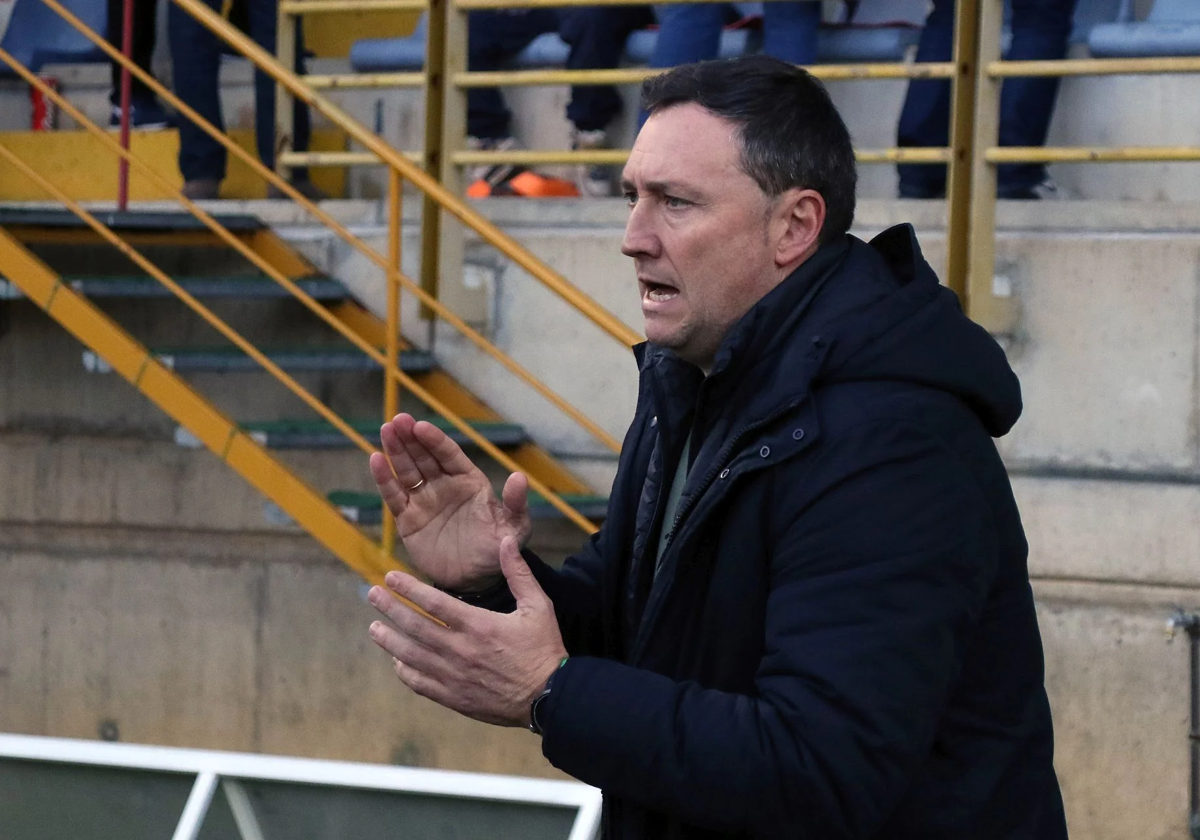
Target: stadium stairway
pixel 67 269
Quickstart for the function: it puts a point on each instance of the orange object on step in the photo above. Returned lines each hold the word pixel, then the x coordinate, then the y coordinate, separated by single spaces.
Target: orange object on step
pixel 525 184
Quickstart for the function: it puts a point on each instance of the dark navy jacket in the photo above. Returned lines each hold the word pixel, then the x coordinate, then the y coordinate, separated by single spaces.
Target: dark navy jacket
pixel 841 642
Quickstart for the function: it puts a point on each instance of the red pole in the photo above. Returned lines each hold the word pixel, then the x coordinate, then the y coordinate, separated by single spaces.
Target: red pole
pixel 126 92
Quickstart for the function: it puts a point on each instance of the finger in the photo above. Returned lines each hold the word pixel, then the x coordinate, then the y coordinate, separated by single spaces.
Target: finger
pixel 445 608
pixel 516 495
pixel 421 684
pixel 429 630
pixel 390 490
pixel 444 452
pixel 521 582
pixel 392 436
pixel 401 647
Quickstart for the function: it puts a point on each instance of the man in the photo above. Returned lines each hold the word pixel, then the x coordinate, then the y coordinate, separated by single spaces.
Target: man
pixel 1040 30
pixel 808 612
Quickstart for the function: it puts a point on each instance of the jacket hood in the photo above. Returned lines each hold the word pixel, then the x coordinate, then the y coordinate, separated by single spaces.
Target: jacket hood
pixel 914 330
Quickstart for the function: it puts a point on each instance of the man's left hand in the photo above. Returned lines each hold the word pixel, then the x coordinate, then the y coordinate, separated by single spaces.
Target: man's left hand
pixel 485 665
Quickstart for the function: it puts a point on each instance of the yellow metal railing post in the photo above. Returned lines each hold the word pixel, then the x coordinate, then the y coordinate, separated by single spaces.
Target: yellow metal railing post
pixel 435 102
pixel 962 127
pixel 470 304
pixel 285 105
pixel 998 315
pixel 391 387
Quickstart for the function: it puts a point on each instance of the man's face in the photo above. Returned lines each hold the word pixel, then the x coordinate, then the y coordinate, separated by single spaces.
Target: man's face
pixel 701 232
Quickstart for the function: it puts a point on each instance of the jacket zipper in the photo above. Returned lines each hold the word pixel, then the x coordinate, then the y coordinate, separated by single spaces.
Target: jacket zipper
pixel 722 456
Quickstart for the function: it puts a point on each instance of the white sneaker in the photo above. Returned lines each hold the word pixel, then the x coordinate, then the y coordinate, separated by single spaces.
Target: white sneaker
pixel 593 180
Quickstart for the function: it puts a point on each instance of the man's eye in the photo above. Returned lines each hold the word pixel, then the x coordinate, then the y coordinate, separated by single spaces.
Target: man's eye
pixel 631 198
pixel 675 201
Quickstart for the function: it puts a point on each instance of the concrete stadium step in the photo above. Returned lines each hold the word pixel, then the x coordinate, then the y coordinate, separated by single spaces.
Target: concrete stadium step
pixel 365 508
pixel 318 434
pixel 291 359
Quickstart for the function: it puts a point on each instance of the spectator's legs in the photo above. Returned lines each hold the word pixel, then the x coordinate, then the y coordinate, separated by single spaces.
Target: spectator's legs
pixel 196 56
pixel 687 33
pixel 263 17
pixel 790 31
pixel 492 38
pixel 145 14
pixel 597 35
pixel 1040 30
pixel 925 119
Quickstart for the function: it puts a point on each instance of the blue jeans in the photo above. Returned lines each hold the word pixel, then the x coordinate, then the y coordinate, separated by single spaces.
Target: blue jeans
pixel 693 32
pixel 196 57
pixel 1040 30
pixel 596 36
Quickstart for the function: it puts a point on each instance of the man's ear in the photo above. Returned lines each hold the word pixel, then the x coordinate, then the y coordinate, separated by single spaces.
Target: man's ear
pixel 801 218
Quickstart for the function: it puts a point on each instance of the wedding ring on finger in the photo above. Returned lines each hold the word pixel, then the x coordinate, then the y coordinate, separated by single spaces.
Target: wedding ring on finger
pixel 416 486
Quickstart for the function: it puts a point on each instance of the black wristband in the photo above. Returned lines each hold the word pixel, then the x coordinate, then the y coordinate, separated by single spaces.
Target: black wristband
pixel 535 708
pixel 489 598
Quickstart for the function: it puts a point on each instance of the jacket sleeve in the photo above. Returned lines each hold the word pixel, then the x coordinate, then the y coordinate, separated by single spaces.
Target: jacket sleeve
pixel 577 591
pixel 875 582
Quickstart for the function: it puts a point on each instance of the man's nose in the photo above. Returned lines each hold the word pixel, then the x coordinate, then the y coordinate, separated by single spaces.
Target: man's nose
pixel 640 239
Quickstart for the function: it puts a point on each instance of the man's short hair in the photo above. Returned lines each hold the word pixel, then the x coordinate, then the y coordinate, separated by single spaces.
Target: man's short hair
pixel 791 134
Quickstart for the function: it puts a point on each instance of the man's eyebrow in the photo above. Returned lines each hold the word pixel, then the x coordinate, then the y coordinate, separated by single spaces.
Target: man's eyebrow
pixel 657 187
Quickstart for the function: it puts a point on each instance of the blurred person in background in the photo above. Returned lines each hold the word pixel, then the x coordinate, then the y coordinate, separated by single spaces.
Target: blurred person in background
pixel 196 58
pixel 145 112
pixel 1040 30
pixel 692 32
pixel 596 36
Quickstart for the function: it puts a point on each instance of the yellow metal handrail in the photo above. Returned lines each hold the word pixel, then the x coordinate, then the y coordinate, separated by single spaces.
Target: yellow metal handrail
pixel 266 62
pixel 551 497
pixel 329 318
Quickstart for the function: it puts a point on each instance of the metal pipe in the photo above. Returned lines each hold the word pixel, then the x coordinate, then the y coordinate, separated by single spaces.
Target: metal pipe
pixel 318 7
pixel 366 80
pixel 960 172
pixel 1094 67
pixel 1090 154
pixel 338 158
pixel 391 391
pixel 636 75
pixel 126 97
pixel 1190 624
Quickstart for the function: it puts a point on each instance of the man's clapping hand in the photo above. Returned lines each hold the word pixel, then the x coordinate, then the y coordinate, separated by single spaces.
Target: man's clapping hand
pixel 446 512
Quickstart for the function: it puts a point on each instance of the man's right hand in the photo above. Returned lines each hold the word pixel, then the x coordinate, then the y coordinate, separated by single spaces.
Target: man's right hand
pixel 445 509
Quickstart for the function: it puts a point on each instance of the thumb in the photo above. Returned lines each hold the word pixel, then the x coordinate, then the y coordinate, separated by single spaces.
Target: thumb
pixel 521 582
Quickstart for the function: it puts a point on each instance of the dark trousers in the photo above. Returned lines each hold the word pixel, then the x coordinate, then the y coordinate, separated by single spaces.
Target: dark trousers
pixel 1040 30
pixel 145 15
pixel 196 55
pixel 596 36
pixel 688 33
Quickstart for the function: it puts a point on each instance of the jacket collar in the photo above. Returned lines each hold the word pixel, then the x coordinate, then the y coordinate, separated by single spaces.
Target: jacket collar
pixel 763 332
